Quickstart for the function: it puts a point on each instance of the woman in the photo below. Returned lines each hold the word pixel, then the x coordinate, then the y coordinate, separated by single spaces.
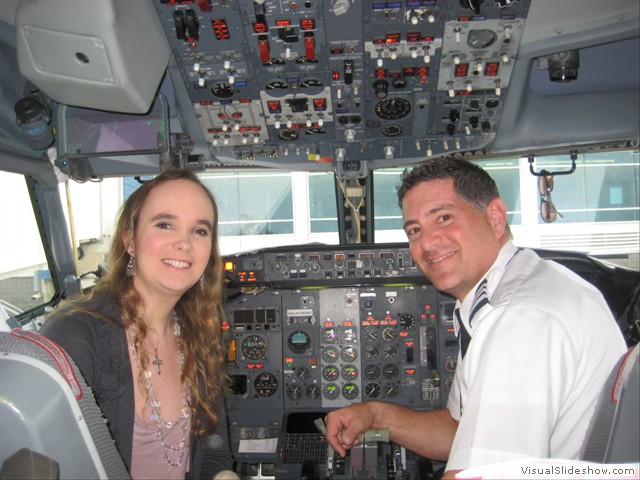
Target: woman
pixel 148 338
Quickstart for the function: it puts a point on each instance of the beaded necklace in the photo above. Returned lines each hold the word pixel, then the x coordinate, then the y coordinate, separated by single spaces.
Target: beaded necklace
pixel 155 404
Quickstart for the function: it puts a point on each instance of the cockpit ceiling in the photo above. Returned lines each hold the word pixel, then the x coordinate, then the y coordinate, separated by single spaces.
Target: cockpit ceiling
pixel 344 86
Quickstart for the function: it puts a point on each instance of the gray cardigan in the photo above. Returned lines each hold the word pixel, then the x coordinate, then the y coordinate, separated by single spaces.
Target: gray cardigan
pixel 99 349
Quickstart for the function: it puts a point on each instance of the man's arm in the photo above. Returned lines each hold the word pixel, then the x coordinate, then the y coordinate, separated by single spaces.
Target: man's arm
pixel 429 434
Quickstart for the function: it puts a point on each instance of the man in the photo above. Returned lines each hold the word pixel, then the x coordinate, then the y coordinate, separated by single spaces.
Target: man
pixel 537 341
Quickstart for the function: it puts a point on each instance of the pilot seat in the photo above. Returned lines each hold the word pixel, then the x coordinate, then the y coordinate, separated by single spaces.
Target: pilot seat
pixel 51 425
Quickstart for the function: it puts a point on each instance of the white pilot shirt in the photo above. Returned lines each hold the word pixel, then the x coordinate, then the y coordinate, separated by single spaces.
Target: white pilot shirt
pixel 537 361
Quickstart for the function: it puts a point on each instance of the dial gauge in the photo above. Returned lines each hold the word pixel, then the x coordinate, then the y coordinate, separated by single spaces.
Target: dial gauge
pixel 390 371
pixel 330 373
pixel 389 352
pixel 329 354
pixel 288 134
pixel 371 352
pixel 299 341
pixel 389 334
pixel 294 392
pixel 303 373
pixel 276 85
pixel 312 391
pixel 310 82
pixel 390 390
pixel 266 384
pixel 331 391
pixel 370 334
pixel 254 347
pixel 350 391
pixel 349 354
pixel 348 335
pixel 330 335
pixel 371 372
pixel 349 372
pixel 372 390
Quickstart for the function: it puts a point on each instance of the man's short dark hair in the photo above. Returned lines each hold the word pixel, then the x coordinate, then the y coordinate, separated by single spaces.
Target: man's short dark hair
pixel 470 182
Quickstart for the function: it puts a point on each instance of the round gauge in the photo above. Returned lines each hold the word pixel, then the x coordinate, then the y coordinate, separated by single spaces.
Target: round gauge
pixel 390 390
pixel 331 391
pixel 367 303
pixel 450 364
pixel 392 130
pixel 266 384
pixel 370 334
pixel 276 85
pixel 329 335
pixel 481 38
pixel 407 321
pixel 390 371
pixel 294 392
pixel 371 352
pixel 372 390
pixel 330 373
pixel 448 383
pixel 389 352
pixel 299 342
pixel 254 347
pixel 329 354
pixel 349 372
pixel 389 334
pixel 222 90
pixel 310 82
pixel 312 391
pixel 399 83
pixel 371 372
pixel 302 373
pixel 349 354
pixel 393 108
pixel 348 335
pixel 288 134
pixel 350 391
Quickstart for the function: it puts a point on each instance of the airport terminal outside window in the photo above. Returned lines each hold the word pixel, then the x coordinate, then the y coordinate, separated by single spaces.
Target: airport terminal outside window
pixel 323 212
pixel 252 203
pixel 603 188
pixel 388 215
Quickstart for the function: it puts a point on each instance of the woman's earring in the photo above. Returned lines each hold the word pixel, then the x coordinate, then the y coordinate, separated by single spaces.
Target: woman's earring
pixel 131 268
pixel 202 282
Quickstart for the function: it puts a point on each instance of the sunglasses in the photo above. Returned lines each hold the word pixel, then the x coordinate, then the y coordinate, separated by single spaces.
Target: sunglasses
pixel 548 210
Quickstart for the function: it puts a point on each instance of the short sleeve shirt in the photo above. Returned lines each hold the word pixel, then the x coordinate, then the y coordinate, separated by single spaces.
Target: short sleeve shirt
pixel 536 363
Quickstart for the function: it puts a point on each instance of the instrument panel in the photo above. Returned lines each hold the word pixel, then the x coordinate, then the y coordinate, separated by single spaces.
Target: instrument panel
pixel 337 83
pixel 308 344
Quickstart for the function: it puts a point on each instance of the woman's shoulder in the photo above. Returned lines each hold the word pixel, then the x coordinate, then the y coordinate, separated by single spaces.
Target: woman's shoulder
pixel 83 316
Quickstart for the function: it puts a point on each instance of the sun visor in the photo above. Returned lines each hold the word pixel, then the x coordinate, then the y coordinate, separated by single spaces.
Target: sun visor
pixel 99 54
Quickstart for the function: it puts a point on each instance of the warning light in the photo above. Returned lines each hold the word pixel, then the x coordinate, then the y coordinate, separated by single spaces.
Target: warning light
pixel 229 266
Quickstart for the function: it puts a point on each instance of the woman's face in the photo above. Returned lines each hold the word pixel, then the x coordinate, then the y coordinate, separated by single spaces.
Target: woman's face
pixel 173 240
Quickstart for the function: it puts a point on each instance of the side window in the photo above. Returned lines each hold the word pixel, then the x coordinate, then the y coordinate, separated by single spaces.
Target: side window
pixel 603 188
pixel 25 280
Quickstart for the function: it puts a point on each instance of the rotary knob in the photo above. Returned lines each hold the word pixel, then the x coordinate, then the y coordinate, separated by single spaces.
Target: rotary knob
pixel 381 88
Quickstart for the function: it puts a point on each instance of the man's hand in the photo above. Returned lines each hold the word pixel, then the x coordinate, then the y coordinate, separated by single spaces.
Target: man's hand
pixel 346 425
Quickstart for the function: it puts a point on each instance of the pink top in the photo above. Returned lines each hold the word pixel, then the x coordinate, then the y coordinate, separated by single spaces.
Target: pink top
pixel 148 454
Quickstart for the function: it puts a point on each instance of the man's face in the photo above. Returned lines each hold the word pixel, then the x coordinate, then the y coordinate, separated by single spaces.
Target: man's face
pixel 452 244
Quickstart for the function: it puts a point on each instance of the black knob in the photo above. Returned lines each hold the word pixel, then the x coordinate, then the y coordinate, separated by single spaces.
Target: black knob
pixel 381 88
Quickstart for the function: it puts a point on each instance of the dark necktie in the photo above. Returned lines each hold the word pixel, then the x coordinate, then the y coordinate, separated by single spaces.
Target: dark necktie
pixel 480 299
